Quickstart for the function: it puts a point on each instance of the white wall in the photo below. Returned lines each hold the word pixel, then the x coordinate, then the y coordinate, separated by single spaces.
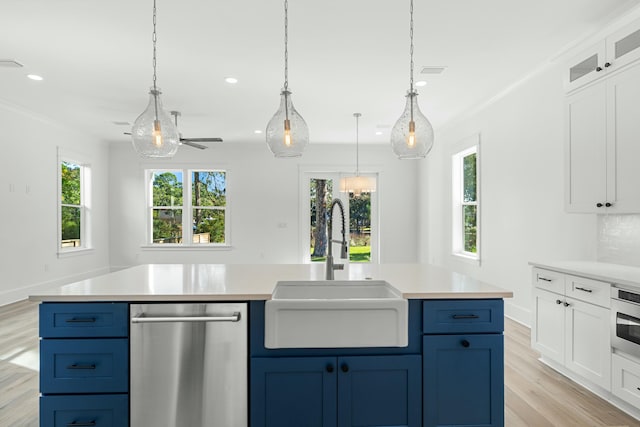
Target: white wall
pixel 264 197
pixel 28 210
pixel 522 191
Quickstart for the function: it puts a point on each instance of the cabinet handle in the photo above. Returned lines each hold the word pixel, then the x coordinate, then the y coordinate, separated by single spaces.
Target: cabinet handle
pixel 599 205
pixel 598 69
pixel 76 366
pixel 566 304
pixel 81 424
pixel 465 316
pixel 465 343
pixel 545 279
pixel 558 301
pixel 608 204
pixel 607 64
pixel 345 367
pixel 330 368
pixel 81 320
pixel 583 289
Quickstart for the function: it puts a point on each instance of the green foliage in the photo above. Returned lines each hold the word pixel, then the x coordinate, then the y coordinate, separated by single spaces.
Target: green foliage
pixel 469 169
pixel 70 194
pixel 470 228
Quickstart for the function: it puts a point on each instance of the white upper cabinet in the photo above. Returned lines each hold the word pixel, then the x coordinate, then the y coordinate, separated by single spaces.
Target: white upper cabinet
pixel 614 52
pixel 602 145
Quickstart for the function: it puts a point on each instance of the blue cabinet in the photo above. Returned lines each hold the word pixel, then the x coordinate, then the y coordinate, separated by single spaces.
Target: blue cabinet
pixel 463 363
pixel 84 364
pixel 336 391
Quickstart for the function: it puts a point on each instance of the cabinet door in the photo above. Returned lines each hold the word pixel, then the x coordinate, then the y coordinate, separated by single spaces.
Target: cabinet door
pixel 623 150
pixel 585 67
pixel 293 392
pixel 587 347
pixel 464 380
pixel 380 391
pixel 547 330
pixel 585 150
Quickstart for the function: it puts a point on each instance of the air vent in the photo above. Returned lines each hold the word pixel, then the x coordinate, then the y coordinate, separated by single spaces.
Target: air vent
pixel 121 123
pixel 10 63
pixel 433 70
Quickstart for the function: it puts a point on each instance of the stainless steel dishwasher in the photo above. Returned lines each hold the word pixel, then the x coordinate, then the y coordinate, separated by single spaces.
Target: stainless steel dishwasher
pixel 188 365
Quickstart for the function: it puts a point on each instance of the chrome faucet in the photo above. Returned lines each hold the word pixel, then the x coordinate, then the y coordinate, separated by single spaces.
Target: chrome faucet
pixel 344 249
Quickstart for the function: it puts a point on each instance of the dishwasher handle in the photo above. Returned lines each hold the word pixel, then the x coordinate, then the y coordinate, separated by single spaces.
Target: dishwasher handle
pixel 235 317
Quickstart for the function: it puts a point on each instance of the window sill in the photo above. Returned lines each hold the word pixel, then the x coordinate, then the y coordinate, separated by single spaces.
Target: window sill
pixel 469 259
pixel 68 253
pixel 169 247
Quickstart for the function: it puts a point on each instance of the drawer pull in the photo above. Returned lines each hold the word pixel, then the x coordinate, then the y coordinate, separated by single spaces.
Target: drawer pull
pixel 545 279
pixel 76 366
pixel 583 289
pixel 465 316
pixel 81 320
pixel 465 343
pixel 81 424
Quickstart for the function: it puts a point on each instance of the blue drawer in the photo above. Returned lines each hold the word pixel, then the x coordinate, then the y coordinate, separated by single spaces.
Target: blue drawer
pixel 463 316
pixel 77 320
pixel 89 411
pixel 84 366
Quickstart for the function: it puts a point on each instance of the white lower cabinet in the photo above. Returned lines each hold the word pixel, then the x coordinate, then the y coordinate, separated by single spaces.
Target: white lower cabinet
pixel 626 379
pixel 574 333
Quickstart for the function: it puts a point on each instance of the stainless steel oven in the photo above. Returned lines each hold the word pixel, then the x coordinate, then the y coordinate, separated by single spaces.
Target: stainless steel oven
pixel 625 320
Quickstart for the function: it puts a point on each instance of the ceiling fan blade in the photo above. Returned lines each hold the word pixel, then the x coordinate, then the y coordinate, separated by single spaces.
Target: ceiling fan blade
pixel 201 139
pixel 192 144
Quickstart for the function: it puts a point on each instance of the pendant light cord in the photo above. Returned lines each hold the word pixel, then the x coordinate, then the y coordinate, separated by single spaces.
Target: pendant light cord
pixel 411 90
pixel 286 58
pixel 155 39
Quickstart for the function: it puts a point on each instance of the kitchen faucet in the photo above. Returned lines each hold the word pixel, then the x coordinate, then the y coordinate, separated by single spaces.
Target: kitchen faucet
pixel 343 243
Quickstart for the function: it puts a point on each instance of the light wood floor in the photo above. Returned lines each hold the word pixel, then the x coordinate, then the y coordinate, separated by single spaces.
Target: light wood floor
pixel 536 396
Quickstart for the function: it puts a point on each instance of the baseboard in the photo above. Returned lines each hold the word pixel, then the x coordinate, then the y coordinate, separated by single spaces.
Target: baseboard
pixel 517 313
pixel 23 293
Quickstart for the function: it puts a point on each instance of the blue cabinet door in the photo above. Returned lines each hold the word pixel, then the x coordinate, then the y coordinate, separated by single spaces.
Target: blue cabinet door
pixel 380 391
pixel 463 380
pixel 293 392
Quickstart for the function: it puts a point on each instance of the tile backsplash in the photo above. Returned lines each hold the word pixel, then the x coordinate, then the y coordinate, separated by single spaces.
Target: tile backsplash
pixel 619 239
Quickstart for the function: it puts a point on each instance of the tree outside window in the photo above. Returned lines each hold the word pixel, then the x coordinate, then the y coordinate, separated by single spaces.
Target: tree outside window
pixel 71 206
pixel 466 204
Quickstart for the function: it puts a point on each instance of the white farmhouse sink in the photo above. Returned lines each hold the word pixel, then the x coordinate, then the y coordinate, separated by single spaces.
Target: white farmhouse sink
pixel 334 313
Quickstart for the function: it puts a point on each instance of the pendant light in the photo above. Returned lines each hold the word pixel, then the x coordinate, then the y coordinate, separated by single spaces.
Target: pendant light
pixel 287 133
pixel 153 133
pixel 412 135
pixel 358 184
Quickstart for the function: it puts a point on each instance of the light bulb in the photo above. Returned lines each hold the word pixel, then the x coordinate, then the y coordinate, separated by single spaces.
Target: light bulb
pixel 412 135
pixel 287 133
pixel 155 136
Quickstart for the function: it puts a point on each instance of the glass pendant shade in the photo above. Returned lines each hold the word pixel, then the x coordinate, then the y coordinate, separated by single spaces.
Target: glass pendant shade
pixel 358 184
pixel 287 133
pixel 155 136
pixel 412 139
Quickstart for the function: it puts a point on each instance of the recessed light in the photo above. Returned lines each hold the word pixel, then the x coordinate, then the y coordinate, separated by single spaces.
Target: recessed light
pixel 34 77
pixel 421 83
pixel 379 132
pixel 257 131
pixel 231 80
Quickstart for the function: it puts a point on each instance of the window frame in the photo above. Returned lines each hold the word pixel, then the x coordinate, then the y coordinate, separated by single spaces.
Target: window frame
pixel 466 148
pixel 186 208
pixel 82 161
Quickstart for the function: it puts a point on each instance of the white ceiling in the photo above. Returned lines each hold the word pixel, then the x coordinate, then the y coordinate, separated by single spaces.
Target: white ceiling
pixel 345 56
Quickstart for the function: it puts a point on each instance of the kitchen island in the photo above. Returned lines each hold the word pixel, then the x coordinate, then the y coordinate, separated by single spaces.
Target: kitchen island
pixel 451 373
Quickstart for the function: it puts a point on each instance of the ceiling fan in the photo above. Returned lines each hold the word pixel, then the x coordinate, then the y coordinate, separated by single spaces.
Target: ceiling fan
pixel 191 142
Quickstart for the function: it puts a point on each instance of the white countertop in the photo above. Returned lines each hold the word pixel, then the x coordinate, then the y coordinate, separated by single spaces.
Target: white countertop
pixel 241 282
pixel 606 272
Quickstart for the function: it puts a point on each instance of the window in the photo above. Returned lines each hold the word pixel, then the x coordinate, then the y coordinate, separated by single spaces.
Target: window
pixel 188 207
pixel 318 191
pixel 466 203
pixel 73 213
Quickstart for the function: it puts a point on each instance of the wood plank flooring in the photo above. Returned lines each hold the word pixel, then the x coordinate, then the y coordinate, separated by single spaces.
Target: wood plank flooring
pixel 536 396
